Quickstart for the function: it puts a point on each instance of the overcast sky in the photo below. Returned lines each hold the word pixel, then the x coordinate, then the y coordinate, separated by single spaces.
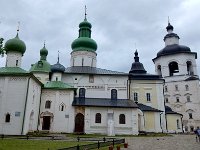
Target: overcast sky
pixel 117 26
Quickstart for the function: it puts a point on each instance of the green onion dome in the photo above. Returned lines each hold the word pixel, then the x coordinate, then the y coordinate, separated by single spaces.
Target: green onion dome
pixel 15 45
pixel 42 65
pixel 43 51
pixel 84 41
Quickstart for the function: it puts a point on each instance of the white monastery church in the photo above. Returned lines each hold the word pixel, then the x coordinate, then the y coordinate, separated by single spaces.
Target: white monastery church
pixel 83 98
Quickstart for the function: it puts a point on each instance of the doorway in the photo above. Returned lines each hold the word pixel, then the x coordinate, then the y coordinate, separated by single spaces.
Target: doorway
pixel 46 122
pixel 79 123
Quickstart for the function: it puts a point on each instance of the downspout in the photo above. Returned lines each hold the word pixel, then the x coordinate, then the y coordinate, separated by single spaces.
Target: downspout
pixel 182 123
pixel 27 90
pixel 39 109
pixel 161 122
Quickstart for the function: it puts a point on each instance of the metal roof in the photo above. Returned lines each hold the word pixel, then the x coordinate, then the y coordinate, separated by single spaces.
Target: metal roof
pixel 104 102
pixel 148 108
pixel 92 70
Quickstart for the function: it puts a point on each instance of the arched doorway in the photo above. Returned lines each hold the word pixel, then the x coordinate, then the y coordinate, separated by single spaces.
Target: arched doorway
pixel 79 123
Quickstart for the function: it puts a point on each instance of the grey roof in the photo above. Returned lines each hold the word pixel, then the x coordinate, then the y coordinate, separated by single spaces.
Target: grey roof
pixel 174 49
pixel 104 102
pixel 168 110
pixel 57 68
pixel 148 108
pixel 91 70
pixel 192 78
pixel 138 76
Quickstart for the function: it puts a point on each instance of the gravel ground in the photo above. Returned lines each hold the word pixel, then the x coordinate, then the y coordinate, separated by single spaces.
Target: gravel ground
pixel 174 142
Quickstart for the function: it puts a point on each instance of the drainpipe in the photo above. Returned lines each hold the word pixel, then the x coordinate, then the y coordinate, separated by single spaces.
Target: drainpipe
pixel 182 123
pixel 39 109
pixel 161 122
pixel 27 90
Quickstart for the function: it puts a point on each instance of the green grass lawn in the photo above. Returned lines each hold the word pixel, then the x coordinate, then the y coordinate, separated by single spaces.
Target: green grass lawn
pixel 17 144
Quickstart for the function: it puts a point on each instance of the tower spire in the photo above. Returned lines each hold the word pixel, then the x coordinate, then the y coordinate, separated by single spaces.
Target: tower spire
pixel 85 12
pixel 169 27
pixel 18 26
pixel 58 56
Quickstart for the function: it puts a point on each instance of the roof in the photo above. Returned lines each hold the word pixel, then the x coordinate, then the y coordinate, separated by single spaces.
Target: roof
pixel 58 85
pixel 144 77
pixel 91 70
pixel 41 66
pixel 174 49
pixel 12 70
pixel 57 68
pixel 104 102
pixel 192 78
pixel 148 108
pixel 168 110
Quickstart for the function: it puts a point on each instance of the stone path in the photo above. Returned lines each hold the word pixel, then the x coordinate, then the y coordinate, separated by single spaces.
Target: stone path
pixel 174 142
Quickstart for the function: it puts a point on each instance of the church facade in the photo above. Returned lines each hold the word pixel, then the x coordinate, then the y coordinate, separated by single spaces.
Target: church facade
pixel 83 98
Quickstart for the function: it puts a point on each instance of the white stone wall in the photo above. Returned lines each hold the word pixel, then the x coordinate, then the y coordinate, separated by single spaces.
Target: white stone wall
pixel 13 59
pixel 130 127
pixel 183 106
pixel 12 101
pixel 62 121
pixel 83 58
pixel 101 87
pixel 32 107
pixel 42 76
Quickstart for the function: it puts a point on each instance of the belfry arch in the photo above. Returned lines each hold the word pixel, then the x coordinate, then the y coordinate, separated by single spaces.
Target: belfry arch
pixel 173 68
pixel 190 70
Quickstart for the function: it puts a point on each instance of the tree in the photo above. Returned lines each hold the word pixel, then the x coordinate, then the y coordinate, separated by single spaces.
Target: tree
pixel 2 50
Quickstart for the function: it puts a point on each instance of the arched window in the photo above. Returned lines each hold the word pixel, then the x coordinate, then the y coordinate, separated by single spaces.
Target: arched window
pixel 98 118
pixel 173 68
pixel 113 94
pixel 48 104
pixel 159 72
pixel 122 119
pixel 189 68
pixel 62 107
pixel 82 93
pixel 7 118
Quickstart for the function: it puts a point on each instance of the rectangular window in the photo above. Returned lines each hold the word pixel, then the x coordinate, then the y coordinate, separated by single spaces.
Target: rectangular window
pixel 188 99
pixel 186 87
pixel 91 78
pixel 16 63
pixel 148 95
pixel 177 99
pixel 135 97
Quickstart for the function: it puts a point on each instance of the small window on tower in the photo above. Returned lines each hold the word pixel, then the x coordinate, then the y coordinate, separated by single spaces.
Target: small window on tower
pixel 176 87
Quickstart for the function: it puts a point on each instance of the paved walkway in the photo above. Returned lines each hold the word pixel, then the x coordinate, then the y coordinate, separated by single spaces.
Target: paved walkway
pixel 174 142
